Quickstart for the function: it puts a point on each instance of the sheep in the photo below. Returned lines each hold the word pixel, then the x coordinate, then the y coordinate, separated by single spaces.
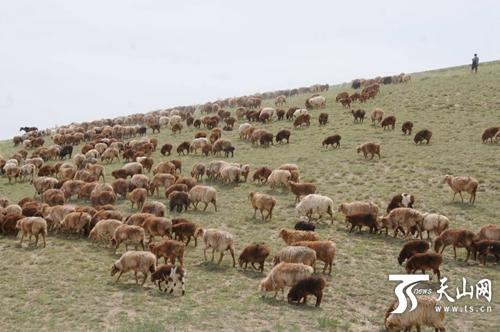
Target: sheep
pixel 110 154
pixel 230 174
pixel 376 115
pixel 301 189
pixel 171 274
pixel 401 200
pixel 462 183
pixel 323 119
pixel 27 171
pixel 137 219
pixel 434 222
pixel 12 171
pixel 407 127
pixel 160 180
pixel 153 207
pixel 104 230
pixel 295 254
pixel 388 122
pixel 360 220
pixel 424 261
pixel 120 187
pixel 128 234
pixel 424 134
pixel 489 134
pixel 164 167
pixel 183 148
pixel 359 208
pixel 359 115
pixel 315 204
pixel 290 236
pixel 188 181
pixel 198 143
pixel 157 226
pixel 485 247
pixel 166 149
pixel 262 202
pixel 197 171
pixel 279 177
pixel 411 248
pixel 217 240
pixel 8 223
pixel 304 225
pixel 311 285
pixel 283 134
pixel 489 232
pixel 458 237
pixel 284 275
pixel 176 187
pixel 13 209
pixel 369 148
pixel 103 198
pixel 261 174
pixel 204 194
pixel 170 249
pixel 138 196
pixel 53 197
pixel 97 170
pixel 425 314
pixel 184 230
pixel 137 261
pixel 178 200
pixel 254 253
pixel 75 222
pixel 133 168
pixel 404 219
pixel 32 226
pixel 333 141
pixel 325 251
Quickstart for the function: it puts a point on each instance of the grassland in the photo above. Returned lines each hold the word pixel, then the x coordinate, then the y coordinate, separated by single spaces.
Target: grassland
pixel 67 285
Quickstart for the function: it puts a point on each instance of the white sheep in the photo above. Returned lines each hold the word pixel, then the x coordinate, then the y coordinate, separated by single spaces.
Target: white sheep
pixel 218 240
pixel 137 261
pixel 203 194
pixel 284 275
pixel 104 230
pixel 462 183
pixel 315 204
pixel 434 222
pixel 296 254
pixel 279 177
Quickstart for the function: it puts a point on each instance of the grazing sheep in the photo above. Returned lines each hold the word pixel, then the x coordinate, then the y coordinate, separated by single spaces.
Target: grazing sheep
pixel 254 253
pixel 283 134
pixel 484 247
pixel 424 134
pixel 489 232
pixel 376 115
pixel 407 127
pixel 401 200
pixel 185 229
pixel 53 197
pixel 311 285
pixel 279 177
pixel 176 187
pixel 434 222
pixel 462 183
pixel 204 194
pixel 157 226
pixel 170 249
pixel 425 261
pixel 133 168
pixel 284 275
pixel 8 223
pixel 262 174
pixel 389 122
pixel 359 115
pixel 489 134
pixel 333 141
pixel 32 226
pixel 404 219
pixel 165 167
pixel 301 189
pixel 315 204
pixel 230 174
pixel 138 196
pixel 304 225
pixel 262 202
pixel 183 148
pixel 128 234
pixel 160 180
pixel 166 149
pixel 425 314
pixel 323 119
pixel 218 240
pixel 411 248
pixel 75 222
pixel 290 236
pixel 325 251
pixel 458 237
pixel 178 200
pixel 104 230
pixel 296 254
pixel 153 207
pixel 360 220
pixel 137 219
pixel 197 171
pixel 369 148
pixel 359 208
pixel 120 187
pixel 170 274
pixel 137 261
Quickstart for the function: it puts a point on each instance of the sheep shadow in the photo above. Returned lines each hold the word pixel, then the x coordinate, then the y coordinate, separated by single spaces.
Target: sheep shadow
pixel 210 266
pixel 458 204
pixel 251 273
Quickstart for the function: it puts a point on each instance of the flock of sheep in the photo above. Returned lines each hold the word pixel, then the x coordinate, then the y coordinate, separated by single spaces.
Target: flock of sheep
pixel 55 184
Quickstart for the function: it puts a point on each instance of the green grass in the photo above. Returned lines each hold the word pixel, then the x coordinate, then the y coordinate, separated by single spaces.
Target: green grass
pixel 67 285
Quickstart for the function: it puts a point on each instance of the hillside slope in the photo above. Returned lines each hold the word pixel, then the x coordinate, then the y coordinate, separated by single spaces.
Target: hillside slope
pixel 67 285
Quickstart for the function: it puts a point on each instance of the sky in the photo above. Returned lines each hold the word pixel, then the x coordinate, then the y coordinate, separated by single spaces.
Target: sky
pixel 63 61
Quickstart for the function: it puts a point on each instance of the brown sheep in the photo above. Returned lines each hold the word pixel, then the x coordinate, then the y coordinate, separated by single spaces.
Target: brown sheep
pixel 360 220
pixel 425 314
pixel 425 261
pixel 489 232
pixel 323 119
pixel 128 234
pixel 138 196
pixel 262 174
pixel 120 187
pixel 283 134
pixel 154 226
pixel 137 219
pixel 376 115
pixel 401 200
pixel 389 122
pixel 462 183
pixel 53 197
pixel 359 115
pixel 185 230
pixel 168 249
pixel 424 134
pixel 407 127
pixel 153 207
pixel 32 226
pixel 183 148
pixel 197 171
pixel 176 187
pixel 166 149
pixel 411 248
pixel 178 200
pixel 489 134
pixel 301 120
pixel 262 202
pixel 333 140
pixel 75 222
pixel 369 148
pixel 290 236
pixel 458 237
pixel 325 251
pixel 8 223
pixel 301 189
pixel 254 253
pixel 482 248
pixel 311 285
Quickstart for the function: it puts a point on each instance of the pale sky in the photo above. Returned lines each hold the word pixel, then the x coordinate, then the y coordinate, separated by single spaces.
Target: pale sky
pixel 64 61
